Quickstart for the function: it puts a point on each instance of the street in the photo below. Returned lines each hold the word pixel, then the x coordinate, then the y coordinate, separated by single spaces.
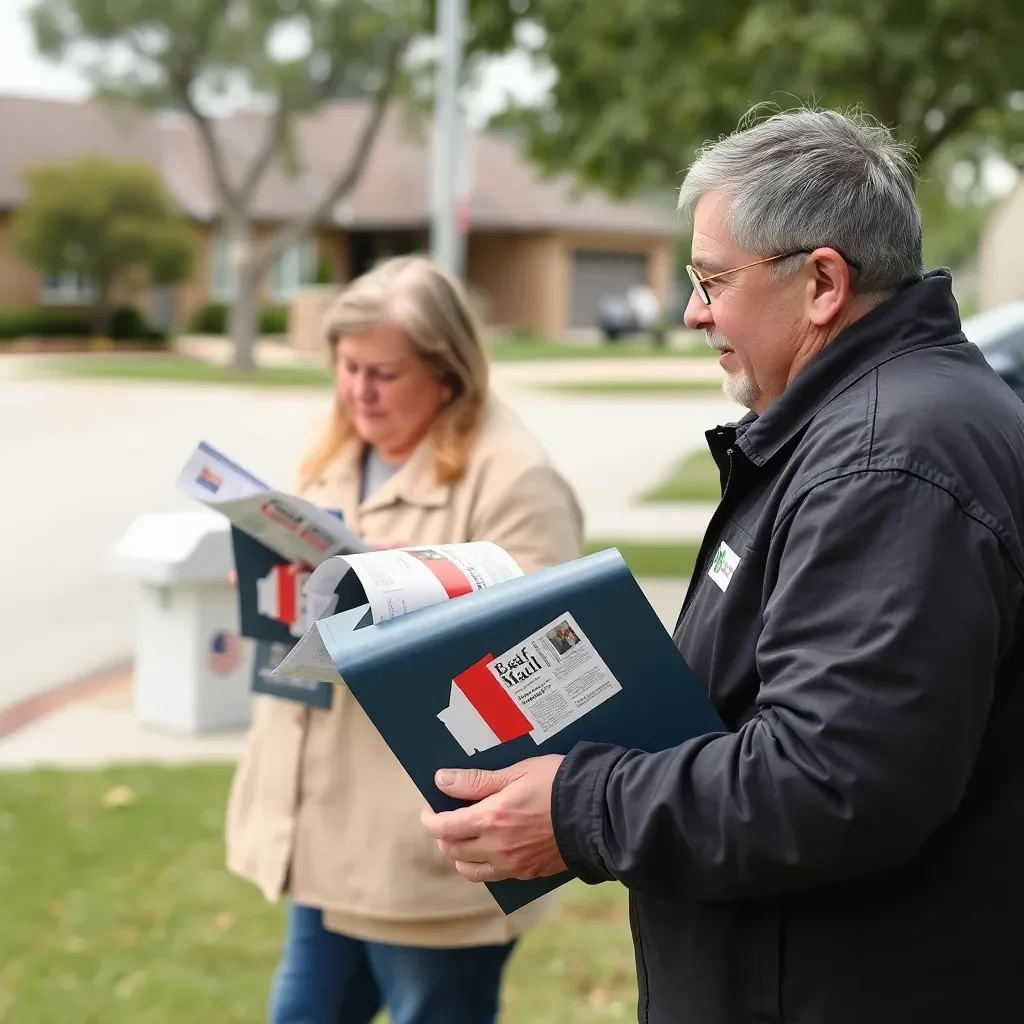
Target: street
pixel 82 459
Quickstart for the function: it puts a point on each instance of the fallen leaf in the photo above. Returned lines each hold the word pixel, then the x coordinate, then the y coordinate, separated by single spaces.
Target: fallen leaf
pixel 119 796
pixel 129 985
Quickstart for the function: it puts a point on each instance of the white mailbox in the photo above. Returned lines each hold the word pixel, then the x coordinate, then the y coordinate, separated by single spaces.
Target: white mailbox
pixel 192 670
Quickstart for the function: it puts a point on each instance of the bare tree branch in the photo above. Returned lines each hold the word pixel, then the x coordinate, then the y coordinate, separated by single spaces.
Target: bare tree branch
pixel 953 123
pixel 265 157
pixel 229 196
pixel 349 176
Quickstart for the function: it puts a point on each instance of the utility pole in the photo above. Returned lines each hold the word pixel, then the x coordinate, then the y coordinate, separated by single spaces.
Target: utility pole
pixel 447 167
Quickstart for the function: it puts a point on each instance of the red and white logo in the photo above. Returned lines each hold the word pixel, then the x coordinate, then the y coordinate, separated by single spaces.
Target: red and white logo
pixel 481 713
pixel 279 596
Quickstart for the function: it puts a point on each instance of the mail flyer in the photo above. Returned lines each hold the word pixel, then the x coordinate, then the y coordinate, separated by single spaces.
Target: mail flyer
pixel 291 527
pixel 536 688
pixel 401 580
pixel 394 581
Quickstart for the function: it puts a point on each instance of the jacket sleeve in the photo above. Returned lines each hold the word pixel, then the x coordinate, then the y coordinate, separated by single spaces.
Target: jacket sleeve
pixel 533 514
pixel 881 639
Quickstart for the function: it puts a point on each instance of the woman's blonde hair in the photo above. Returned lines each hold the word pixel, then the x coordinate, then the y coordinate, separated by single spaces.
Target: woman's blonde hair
pixel 431 310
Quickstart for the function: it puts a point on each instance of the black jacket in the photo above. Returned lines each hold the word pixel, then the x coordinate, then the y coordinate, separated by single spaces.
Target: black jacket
pixel 852 852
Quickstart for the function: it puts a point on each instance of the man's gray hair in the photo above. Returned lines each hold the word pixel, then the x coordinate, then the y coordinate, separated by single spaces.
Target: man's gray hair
pixel 802 179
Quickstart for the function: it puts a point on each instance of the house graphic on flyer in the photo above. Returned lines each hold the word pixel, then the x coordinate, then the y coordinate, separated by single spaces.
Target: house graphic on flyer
pixel 280 596
pixel 481 713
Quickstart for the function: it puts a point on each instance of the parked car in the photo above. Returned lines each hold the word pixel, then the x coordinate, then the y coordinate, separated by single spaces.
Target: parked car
pixel 999 333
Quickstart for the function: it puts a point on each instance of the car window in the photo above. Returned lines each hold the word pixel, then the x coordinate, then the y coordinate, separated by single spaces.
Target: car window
pixel 997 330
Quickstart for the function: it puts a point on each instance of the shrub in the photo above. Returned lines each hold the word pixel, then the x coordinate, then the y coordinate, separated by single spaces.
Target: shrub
pixel 274 320
pixel 213 319
pixel 42 323
pixel 126 324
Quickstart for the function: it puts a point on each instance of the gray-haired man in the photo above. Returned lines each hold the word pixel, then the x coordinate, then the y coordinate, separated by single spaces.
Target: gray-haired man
pixel 852 852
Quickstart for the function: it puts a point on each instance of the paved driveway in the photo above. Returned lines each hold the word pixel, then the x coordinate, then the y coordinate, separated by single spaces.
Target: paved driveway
pixel 80 460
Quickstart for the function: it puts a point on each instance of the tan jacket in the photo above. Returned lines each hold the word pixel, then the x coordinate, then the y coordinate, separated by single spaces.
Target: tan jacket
pixel 319 805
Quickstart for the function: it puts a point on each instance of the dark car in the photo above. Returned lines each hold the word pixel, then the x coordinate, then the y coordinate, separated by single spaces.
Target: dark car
pixel 999 333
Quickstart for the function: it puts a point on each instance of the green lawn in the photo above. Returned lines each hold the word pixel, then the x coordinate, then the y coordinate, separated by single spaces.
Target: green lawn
pixel 637 388
pixel 173 368
pixel 115 908
pixel 508 350
pixel 652 559
pixel 693 478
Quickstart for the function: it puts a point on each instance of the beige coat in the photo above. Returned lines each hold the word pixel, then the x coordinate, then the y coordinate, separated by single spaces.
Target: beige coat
pixel 319 805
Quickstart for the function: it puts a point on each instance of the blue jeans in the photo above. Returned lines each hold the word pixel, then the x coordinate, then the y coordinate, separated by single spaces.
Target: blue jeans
pixel 328 978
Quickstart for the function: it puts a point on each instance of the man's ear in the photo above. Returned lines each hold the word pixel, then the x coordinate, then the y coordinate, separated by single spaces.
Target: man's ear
pixel 829 288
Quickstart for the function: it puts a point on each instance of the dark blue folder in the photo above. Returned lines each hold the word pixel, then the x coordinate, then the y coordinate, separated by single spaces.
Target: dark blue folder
pixel 401 673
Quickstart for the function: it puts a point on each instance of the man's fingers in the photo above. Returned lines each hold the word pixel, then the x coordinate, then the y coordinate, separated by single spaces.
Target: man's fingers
pixel 480 872
pixel 474 783
pixel 451 826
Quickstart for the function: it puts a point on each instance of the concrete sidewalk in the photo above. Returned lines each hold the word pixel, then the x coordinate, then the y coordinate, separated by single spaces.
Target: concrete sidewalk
pixel 91 725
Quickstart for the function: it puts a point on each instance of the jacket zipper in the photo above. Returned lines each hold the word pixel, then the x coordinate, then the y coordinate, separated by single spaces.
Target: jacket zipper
pixel 635 919
pixel 703 555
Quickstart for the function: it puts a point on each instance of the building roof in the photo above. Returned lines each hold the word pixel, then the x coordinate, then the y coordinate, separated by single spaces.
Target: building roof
pixel 506 193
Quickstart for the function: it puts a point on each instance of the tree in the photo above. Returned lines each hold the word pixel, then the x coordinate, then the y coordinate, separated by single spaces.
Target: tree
pixel 287 55
pixel 641 85
pixel 111 223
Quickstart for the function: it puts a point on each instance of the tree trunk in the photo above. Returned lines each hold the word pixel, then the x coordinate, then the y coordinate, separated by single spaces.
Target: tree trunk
pixel 244 318
pixel 99 316
pixel 244 309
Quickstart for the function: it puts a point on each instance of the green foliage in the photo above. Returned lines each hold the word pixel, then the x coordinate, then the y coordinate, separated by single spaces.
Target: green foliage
pixel 324 272
pixel 109 222
pixel 642 85
pixel 213 319
pixel 210 319
pixel 125 324
pixel 274 320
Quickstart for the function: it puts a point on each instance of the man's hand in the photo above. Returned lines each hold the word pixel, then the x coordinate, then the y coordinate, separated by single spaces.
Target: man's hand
pixel 508 833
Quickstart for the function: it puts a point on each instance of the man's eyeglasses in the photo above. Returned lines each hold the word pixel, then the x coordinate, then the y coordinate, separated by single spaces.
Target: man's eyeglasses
pixel 699 282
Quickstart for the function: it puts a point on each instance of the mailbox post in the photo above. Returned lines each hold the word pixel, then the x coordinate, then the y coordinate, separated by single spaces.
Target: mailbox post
pixel 192 669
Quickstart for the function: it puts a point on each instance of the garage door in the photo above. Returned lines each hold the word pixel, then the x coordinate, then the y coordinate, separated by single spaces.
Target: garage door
pixel 595 274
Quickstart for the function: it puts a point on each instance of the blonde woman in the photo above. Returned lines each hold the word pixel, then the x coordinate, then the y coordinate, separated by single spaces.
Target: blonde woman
pixel 417 451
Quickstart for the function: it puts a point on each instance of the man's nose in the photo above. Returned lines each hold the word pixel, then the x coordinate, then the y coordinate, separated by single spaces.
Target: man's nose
pixel 697 316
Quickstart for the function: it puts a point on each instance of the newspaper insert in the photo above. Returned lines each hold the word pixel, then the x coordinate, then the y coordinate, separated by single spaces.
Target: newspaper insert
pixel 293 528
pixel 401 580
pixel 395 581
pixel 553 679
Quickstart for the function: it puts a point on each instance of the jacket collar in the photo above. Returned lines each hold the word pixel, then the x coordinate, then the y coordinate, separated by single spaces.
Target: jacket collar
pixel 922 315
pixel 414 484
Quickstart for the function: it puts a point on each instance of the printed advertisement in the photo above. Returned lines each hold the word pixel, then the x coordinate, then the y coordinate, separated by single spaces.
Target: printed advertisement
pixel 295 529
pixel 402 580
pixel 536 689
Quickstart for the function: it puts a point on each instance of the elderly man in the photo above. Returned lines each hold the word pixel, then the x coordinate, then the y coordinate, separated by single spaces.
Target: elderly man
pixel 852 850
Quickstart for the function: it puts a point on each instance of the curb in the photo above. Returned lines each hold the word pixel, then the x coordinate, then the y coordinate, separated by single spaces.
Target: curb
pixel 30 709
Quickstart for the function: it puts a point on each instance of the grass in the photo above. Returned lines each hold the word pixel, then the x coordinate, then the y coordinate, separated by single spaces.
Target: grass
pixel 509 350
pixel 637 388
pixel 166 368
pixel 652 559
pixel 693 478
pixel 116 909
pixel 169 368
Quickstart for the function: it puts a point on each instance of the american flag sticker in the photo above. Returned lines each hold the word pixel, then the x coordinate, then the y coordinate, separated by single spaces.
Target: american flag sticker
pixel 208 479
pixel 225 653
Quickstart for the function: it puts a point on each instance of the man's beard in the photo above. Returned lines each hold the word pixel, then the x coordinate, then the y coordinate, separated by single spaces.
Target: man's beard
pixel 738 386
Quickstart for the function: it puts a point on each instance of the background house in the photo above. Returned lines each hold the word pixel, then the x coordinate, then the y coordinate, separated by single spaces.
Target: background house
pixel 1000 256
pixel 540 252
